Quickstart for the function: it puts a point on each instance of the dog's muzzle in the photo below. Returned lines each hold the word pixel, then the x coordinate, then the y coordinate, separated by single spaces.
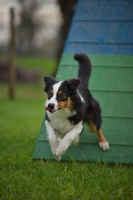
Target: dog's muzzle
pixel 50 107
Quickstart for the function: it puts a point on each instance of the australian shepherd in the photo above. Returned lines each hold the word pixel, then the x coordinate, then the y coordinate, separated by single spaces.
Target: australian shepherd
pixel 69 105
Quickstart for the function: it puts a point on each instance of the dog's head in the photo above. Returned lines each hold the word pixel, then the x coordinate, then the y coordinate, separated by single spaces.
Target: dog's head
pixel 60 93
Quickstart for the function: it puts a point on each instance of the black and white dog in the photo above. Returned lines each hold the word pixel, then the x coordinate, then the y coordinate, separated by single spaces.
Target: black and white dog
pixel 69 105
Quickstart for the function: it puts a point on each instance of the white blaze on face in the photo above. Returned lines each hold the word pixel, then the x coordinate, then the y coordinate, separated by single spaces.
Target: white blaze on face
pixel 53 100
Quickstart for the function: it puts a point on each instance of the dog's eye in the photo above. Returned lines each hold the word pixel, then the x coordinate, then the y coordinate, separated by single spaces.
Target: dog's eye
pixel 63 97
pixel 50 95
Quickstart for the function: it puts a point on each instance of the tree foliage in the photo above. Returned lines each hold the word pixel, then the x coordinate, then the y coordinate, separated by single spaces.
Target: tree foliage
pixel 28 26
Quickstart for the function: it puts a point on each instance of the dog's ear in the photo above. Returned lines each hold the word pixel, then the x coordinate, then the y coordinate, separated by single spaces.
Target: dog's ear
pixel 49 81
pixel 73 83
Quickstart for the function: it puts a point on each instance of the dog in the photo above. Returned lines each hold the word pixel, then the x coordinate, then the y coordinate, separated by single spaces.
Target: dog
pixel 69 105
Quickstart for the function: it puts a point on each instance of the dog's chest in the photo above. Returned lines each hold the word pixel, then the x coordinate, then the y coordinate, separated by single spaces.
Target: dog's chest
pixel 59 121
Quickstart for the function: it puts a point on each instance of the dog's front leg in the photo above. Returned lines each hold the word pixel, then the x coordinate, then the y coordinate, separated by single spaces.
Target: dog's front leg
pixel 51 137
pixel 71 137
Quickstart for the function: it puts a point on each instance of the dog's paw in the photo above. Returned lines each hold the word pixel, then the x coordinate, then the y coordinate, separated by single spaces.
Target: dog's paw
pixel 57 157
pixel 63 146
pixel 61 149
pixel 104 145
pixel 59 152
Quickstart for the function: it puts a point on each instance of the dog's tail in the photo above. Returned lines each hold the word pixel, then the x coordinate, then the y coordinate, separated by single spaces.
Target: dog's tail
pixel 84 67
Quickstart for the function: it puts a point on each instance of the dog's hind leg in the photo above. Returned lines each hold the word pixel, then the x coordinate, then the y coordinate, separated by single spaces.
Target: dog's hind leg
pixel 103 143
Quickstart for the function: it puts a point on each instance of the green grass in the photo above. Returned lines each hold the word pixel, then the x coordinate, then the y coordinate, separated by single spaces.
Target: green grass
pixel 21 178
pixel 45 66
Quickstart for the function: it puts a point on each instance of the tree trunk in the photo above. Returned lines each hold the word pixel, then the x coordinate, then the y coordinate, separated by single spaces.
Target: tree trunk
pixel 11 68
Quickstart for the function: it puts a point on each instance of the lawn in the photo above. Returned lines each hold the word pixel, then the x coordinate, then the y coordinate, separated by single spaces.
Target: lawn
pixel 22 178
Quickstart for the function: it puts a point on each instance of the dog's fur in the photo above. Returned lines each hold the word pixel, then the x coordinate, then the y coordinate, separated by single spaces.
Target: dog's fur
pixel 69 105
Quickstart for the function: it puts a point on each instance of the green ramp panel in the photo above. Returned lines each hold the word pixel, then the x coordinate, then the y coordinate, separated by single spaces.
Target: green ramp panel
pixel 111 83
pixel 103 30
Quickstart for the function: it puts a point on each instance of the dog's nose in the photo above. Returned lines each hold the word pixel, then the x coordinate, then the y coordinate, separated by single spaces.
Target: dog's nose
pixel 51 105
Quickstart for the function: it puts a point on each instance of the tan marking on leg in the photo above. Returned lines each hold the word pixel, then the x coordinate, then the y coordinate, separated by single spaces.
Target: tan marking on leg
pixel 103 143
pixel 92 127
pixel 101 136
